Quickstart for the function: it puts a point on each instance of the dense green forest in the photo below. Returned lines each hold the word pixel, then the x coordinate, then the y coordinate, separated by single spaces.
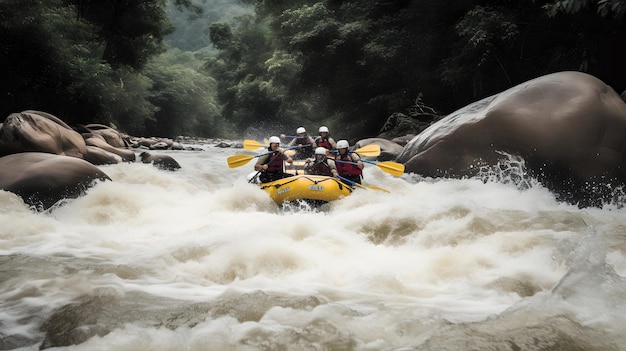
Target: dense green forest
pixel 219 68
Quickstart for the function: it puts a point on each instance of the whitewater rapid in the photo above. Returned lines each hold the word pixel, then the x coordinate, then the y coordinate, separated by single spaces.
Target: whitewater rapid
pixel 198 259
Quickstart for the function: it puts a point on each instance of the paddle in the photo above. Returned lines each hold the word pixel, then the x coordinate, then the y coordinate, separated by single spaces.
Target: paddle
pixel 293 152
pixel 393 168
pixel 255 145
pixel 240 160
pixel 351 183
pixel 252 145
pixel 371 150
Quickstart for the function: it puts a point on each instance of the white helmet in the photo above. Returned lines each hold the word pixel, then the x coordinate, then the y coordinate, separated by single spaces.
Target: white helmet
pixel 323 129
pixel 320 151
pixel 300 130
pixel 342 144
pixel 274 139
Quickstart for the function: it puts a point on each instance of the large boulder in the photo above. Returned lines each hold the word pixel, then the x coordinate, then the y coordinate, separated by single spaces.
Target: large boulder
pixel 42 179
pixel 36 131
pixel 569 128
pixel 389 150
pixel 164 162
pixel 99 141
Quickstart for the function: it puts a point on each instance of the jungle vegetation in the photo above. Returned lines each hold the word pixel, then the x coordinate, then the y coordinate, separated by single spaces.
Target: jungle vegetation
pixel 220 68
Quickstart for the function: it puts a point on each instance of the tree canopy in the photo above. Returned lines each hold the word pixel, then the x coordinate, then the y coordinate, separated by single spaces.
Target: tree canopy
pixel 222 67
pixel 91 61
pixel 356 62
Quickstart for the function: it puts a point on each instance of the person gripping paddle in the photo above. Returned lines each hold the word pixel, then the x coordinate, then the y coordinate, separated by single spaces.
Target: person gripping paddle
pixel 352 166
pixel 305 144
pixel 271 166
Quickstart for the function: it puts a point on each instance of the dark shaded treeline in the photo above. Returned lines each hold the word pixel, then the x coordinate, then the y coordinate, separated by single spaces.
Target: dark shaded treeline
pixel 347 64
pixel 91 61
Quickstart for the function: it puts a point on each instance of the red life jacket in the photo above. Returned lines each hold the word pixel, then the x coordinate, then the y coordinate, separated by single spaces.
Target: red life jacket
pixel 346 168
pixel 275 162
pixel 305 140
pixel 320 168
pixel 323 142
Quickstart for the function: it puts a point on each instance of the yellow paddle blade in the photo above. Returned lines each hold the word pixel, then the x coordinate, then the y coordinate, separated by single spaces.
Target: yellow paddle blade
pixel 371 150
pixel 238 160
pixel 374 187
pixel 393 168
pixel 266 141
pixel 252 145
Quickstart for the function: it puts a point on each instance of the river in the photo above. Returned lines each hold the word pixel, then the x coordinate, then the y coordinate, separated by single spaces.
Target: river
pixel 198 259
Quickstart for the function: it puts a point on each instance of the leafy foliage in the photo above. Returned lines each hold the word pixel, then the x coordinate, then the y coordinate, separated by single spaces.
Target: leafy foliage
pixel 240 70
pixel 131 31
pixel 51 72
pixel 484 32
pixel 605 8
pixel 83 61
pixel 192 26
pixel 354 60
pixel 231 67
pixel 183 93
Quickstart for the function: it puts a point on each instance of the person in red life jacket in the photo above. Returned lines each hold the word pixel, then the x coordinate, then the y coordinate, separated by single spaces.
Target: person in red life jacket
pixel 271 166
pixel 321 165
pixel 352 170
pixel 324 140
pixel 305 144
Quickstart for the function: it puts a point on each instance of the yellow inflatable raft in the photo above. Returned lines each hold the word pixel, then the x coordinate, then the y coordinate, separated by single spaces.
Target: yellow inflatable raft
pixel 306 187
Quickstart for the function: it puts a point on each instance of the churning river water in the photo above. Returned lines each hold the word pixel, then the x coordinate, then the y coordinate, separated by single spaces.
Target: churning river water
pixel 198 259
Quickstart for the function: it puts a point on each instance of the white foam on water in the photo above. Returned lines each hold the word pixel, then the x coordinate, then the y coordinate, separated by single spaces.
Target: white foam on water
pixel 387 269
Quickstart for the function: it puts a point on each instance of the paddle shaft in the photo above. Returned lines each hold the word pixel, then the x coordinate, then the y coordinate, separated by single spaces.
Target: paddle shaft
pixel 349 162
pixel 370 162
pixel 240 160
pixel 393 168
pixel 351 183
pixel 274 158
pixel 372 150
pixel 336 152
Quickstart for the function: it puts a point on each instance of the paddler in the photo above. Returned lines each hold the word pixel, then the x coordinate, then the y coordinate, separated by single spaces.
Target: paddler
pixel 304 142
pixel 325 140
pixel 321 165
pixel 352 170
pixel 271 166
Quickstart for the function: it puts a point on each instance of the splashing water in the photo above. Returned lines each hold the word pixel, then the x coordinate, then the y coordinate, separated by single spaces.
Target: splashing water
pixel 200 259
pixel 512 170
